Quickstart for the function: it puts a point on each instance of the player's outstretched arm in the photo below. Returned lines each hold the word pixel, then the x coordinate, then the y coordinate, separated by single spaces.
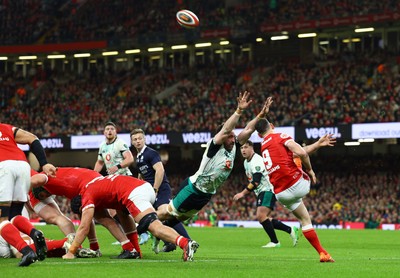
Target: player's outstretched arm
pixel 83 230
pixel 325 141
pixel 243 102
pixel 245 134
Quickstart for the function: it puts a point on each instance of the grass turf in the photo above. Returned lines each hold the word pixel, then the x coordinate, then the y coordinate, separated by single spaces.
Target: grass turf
pixel 232 252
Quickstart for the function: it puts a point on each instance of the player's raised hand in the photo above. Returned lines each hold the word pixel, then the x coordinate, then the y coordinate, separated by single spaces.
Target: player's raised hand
pixel 267 104
pixel 244 100
pixel 327 140
pixel 265 109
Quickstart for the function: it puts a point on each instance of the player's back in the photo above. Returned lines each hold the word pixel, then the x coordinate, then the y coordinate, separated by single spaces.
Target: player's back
pixel 110 191
pixel 8 146
pixel 69 181
pixel 278 160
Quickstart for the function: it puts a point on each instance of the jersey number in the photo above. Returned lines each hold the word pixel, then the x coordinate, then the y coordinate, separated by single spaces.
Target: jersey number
pixel 267 159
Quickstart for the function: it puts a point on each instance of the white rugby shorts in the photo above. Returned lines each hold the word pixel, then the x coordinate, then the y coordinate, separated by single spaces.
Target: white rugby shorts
pixel 15 180
pixel 142 197
pixel 291 198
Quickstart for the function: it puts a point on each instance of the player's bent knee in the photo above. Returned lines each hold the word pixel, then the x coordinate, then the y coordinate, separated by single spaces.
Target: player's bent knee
pixel 145 222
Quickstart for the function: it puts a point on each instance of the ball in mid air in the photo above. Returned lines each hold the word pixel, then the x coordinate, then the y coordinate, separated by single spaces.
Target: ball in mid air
pixel 187 19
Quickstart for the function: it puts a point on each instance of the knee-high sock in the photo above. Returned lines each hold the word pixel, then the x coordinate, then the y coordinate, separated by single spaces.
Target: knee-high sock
pixel 181 241
pixel 312 237
pixel 269 229
pixel 180 229
pixel 94 244
pixel 133 237
pixel 278 225
pixel 127 245
pixel 23 224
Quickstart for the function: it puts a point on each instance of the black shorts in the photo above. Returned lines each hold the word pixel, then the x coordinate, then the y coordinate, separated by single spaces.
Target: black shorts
pixel 164 195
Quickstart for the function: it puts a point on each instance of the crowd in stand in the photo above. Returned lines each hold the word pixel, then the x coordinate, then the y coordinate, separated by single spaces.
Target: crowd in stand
pixel 24 22
pixel 350 88
pixel 55 21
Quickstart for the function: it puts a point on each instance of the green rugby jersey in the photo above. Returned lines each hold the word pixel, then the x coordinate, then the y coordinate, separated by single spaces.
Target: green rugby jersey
pixel 112 154
pixel 256 165
pixel 214 171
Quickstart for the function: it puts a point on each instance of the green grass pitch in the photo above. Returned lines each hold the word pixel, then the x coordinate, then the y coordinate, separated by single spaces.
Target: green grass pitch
pixel 232 252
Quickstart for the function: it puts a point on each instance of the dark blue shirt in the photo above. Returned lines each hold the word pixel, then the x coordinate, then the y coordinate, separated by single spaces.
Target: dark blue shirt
pixel 145 162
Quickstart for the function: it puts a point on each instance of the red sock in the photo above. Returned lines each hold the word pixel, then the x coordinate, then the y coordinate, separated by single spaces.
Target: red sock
pixel 94 245
pixel 11 234
pixel 127 245
pixel 312 237
pixel 134 239
pixel 181 241
pixel 22 224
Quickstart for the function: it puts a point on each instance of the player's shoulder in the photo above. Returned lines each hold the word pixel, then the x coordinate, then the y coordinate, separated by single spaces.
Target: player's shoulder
pixel 119 140
pixel 257 159
pixel 281 136
pixel 6 129
pixel 121 143
pixel 150 153
pixel 103 145
pixel 6 125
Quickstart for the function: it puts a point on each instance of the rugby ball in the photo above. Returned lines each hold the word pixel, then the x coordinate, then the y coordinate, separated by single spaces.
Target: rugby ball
pixel 187 19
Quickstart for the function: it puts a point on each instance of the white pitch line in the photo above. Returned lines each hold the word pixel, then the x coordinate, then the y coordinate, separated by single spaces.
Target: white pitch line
pixel 89 261
pixel 113 261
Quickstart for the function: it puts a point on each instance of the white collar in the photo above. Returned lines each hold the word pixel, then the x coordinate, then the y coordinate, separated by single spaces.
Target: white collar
pixel 141 152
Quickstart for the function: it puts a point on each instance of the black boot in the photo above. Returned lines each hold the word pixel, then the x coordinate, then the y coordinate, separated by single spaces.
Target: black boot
pixel 29 256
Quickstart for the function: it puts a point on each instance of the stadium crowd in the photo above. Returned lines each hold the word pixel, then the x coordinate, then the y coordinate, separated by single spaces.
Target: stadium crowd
pixel 347 88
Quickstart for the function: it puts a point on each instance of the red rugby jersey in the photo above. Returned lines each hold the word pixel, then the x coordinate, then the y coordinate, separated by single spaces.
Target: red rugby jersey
pixel 8 146
pixel 111 192
pixel 69 181
pixel 278 160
